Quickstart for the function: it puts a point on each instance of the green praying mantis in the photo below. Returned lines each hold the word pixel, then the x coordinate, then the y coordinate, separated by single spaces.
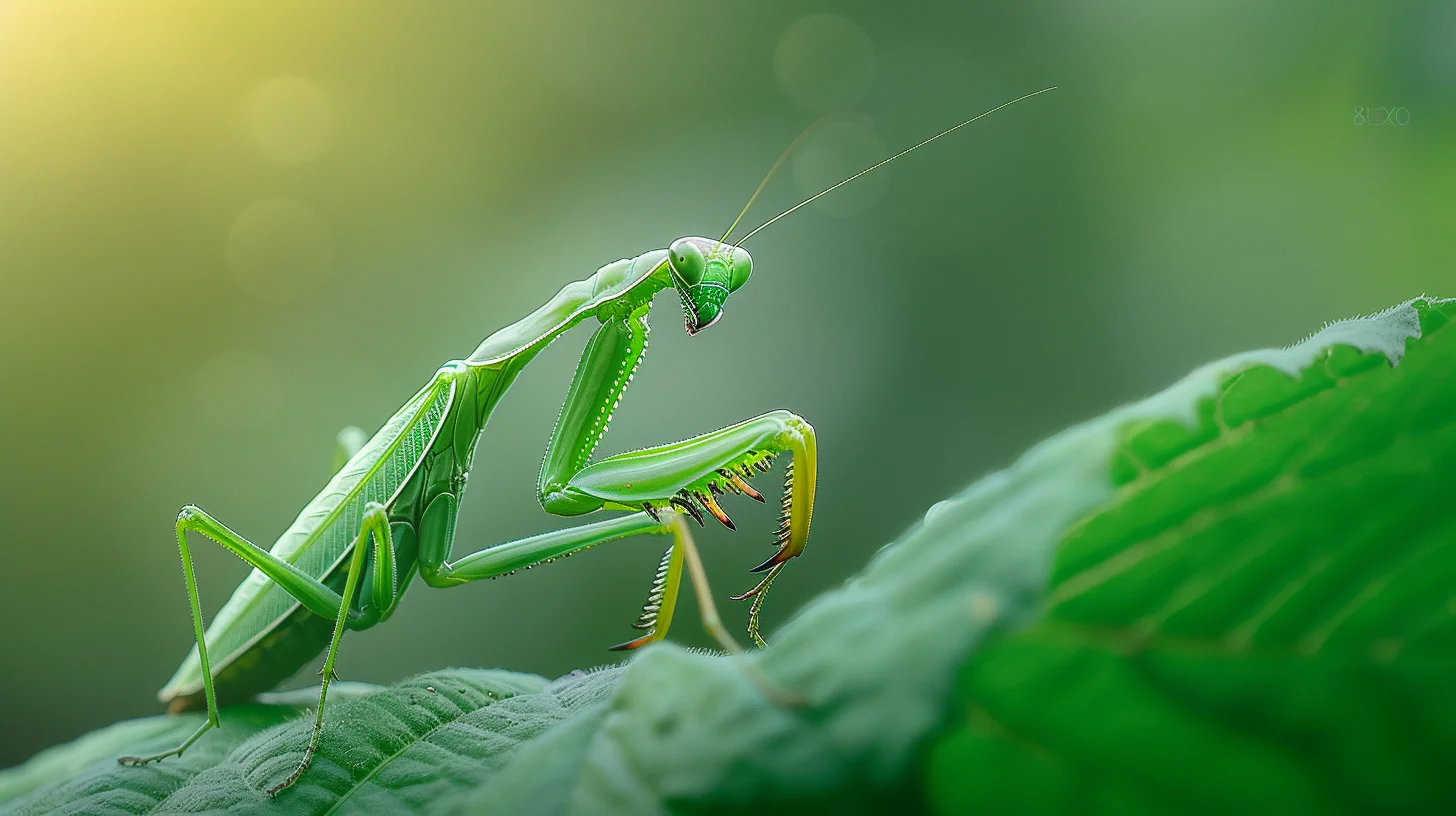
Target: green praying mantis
pixel 390 511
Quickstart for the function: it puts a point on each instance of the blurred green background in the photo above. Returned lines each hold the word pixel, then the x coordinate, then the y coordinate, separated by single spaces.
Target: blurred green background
pixel 229 229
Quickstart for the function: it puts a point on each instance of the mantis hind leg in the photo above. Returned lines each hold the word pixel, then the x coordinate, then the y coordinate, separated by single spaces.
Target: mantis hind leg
pixel 212 717
pixel 309 591
pixel 376 525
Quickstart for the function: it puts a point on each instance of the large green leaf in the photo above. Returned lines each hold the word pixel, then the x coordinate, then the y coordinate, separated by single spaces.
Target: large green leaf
pixel 1264 618
pixel 1233 594
pixel 385 749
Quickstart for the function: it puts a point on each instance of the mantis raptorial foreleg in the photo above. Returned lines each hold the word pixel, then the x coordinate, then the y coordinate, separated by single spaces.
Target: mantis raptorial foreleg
pixel 684 475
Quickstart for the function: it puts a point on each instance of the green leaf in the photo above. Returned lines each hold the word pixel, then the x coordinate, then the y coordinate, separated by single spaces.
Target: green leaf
pixel 1262 619
pixel 1235 594
pixel 82 776
pixel 380 745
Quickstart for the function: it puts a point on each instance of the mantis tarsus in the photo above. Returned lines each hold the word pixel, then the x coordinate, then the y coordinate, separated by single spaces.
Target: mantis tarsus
pixel 390 511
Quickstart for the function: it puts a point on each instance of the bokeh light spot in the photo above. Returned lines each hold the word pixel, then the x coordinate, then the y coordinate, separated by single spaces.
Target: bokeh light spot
pixel 824 62
pixel 835 151
pixel 280 250
pixel 239 390
pixel 290 119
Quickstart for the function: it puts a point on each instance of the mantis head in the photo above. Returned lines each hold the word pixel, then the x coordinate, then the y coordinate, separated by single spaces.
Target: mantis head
pixel 704 273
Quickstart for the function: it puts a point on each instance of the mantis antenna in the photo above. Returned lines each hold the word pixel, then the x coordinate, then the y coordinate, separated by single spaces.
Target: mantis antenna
pixel 874 166
pixel 770 174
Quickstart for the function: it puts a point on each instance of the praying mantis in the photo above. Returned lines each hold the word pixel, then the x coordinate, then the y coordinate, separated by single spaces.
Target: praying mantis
pixel 389 513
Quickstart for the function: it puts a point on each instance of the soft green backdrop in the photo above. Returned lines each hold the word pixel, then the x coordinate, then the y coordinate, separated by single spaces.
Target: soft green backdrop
pixel 229 229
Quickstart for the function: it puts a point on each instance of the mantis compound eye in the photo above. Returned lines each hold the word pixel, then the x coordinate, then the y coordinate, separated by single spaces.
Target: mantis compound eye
pixel 686 261
pixel 742 268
